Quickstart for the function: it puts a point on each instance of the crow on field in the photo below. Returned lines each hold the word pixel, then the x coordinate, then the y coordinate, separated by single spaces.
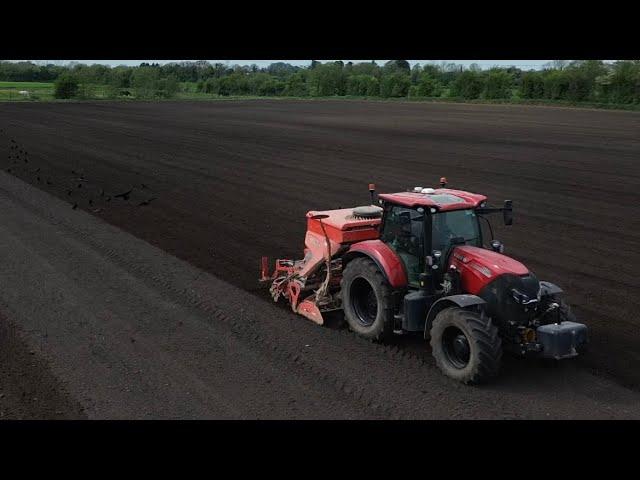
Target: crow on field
pixel 49 182
pixel 79 185
pixel 91 201
pixel 75 205
pixel 124 195
pixel 38 178
pixel 146 202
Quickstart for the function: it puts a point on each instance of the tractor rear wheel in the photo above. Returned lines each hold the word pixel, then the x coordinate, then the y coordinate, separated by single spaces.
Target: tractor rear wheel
pixel 466 346
pixel 367 300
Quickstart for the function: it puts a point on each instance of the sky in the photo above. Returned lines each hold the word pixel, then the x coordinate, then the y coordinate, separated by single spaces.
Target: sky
pixel 523 64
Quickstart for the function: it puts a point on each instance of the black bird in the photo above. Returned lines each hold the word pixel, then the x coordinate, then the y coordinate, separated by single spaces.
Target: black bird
pixel 26 161
pixel 75 205
pixel 69 192
pixel 90 202
pixel 124 195
pixel 146 202
pixel 38 179
pixel 49 182
pixel 79 185
pixel 9 170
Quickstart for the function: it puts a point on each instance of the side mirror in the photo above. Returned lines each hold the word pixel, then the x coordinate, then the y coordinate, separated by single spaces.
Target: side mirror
pixel 508 212
pixel 497 246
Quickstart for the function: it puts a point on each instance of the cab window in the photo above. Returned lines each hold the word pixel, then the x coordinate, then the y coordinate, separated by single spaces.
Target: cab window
pixel 403 231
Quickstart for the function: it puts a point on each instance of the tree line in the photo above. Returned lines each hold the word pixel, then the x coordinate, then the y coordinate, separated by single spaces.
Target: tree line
pixel 574 81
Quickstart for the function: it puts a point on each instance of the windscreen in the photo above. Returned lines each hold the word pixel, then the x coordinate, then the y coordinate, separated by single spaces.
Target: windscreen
pixel 456 223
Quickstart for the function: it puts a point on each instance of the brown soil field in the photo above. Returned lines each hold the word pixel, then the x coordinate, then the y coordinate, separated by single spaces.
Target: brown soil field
pixel 219 184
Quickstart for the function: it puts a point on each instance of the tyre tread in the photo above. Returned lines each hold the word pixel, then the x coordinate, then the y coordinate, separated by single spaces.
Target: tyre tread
pixel 485 336
pixel 365 266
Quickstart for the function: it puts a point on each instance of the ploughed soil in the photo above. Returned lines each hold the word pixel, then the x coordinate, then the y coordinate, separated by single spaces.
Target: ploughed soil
pixel 28 389
pixel 220 184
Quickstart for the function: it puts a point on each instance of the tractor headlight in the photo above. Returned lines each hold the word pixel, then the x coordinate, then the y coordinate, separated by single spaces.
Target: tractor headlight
pixel 522 298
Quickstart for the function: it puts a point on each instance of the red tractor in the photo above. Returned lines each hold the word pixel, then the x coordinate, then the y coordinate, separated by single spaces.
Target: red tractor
pixel 417 263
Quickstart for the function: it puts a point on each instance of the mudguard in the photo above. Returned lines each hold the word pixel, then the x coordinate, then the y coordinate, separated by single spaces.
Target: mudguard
pixel 384 257
pixel 548 288
pixel 462 301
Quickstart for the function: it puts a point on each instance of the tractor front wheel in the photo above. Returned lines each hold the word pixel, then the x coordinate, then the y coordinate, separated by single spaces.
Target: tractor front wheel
pixel 466 346
pixel 367 300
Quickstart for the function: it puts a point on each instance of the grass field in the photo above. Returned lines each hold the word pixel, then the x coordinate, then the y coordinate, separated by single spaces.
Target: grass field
pixel 26 85
pixel 37 91
pixel 43 91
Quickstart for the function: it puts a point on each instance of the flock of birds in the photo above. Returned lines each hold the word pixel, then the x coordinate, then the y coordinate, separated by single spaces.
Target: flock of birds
pixel 77 186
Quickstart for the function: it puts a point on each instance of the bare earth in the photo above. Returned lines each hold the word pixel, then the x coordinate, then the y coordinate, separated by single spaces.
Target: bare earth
pixel 114 326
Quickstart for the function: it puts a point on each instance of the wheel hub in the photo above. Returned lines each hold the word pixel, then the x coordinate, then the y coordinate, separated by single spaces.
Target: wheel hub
pixel 364 302
pixel 461 346
pixel 456 347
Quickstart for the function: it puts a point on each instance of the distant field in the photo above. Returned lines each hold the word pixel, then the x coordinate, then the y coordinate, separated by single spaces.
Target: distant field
pixel 26 85
pixel 37 90
pixel 43 91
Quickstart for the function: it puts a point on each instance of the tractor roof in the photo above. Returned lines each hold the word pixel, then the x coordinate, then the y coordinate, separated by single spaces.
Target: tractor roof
pixel 442 199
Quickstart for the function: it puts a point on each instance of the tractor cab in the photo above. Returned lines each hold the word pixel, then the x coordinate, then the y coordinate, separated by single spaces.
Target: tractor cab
pixel 423 225
pixel 424 239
